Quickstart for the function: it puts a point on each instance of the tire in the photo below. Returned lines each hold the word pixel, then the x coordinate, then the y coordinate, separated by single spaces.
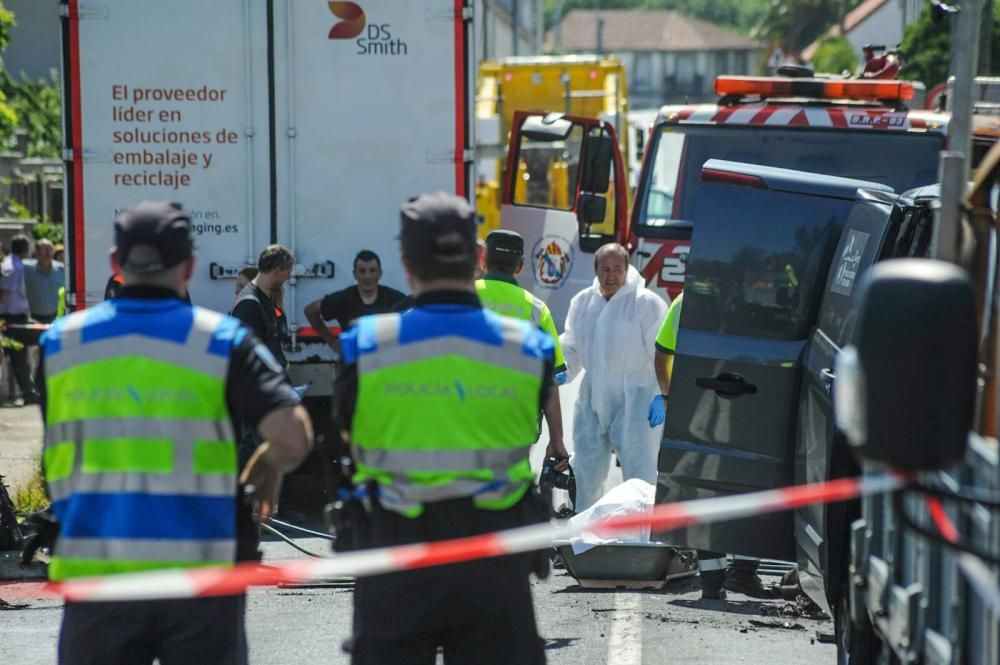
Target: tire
pixel 855 646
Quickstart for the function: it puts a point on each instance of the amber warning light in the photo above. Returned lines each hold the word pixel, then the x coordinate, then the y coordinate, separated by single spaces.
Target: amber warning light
pixel 815 88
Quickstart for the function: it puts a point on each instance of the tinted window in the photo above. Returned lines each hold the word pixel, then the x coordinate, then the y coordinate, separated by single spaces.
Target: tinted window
pixel 857 251
pixel 897 159
pixel 758 260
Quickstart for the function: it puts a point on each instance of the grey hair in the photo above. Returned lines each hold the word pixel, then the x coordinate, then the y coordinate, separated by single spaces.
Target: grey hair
pixel 610 248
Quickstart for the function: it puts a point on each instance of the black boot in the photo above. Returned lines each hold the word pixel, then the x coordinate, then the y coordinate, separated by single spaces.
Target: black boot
pixel 713 585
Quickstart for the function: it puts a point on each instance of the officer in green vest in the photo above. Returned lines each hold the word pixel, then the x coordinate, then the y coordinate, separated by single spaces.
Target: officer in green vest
pixel 139 399
pixel 440 406
pixel 61 307
pixel 499 291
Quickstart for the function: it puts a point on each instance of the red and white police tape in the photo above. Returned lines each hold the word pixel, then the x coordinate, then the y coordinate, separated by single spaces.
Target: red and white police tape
pixel 204 582
pixel 981 579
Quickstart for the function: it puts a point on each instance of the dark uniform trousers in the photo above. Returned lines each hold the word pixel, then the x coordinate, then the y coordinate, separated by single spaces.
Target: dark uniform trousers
pixel 197 631
pixel 479 612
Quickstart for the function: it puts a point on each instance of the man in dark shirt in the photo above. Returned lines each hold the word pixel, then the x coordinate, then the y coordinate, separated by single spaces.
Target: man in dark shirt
pixel 259 304
pixel 347 305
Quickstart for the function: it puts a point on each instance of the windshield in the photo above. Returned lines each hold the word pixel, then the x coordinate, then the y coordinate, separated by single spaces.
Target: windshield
pixel 897 159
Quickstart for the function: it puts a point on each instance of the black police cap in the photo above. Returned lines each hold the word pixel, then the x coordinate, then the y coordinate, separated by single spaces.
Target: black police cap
pixel 505 242
pixel 153 236
pixel 439 227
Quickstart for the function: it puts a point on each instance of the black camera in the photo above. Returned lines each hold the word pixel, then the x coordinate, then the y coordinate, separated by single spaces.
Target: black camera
pixel 551 479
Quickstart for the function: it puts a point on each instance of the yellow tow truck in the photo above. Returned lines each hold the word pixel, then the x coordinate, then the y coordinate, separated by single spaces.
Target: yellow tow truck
pixel 593 86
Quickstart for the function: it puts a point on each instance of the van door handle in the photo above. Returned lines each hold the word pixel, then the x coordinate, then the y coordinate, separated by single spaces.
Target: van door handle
pixel 827 376
pixel 727 385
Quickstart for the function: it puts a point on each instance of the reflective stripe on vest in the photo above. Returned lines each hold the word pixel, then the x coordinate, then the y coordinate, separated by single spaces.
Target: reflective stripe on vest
pixel 140 456
pixel 448 415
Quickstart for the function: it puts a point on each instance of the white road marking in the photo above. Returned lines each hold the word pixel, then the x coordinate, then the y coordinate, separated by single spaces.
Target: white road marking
pixel 625 635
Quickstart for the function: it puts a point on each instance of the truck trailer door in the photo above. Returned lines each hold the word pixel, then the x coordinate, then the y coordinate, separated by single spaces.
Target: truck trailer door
pixel 551 198
pixel 762 246
pixel 166 101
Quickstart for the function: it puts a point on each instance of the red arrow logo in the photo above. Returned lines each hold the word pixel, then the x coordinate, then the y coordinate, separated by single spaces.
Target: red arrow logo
pixel 352 20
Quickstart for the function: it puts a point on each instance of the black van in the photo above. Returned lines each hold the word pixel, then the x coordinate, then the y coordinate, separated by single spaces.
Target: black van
pixel 770 298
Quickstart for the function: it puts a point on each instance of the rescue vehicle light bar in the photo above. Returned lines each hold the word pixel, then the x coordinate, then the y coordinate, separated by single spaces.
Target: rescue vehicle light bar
pixel 812 87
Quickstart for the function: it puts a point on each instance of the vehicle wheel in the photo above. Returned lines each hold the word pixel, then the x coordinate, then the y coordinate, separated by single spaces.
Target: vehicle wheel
pixel 855 646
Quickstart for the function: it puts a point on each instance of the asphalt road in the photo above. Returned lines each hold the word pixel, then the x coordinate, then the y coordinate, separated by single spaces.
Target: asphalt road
pixel 307 625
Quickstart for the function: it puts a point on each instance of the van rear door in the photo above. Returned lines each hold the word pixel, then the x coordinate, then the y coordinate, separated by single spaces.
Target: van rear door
pixel 763 242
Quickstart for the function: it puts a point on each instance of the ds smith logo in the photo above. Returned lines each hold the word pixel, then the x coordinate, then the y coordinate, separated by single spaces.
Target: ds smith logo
pixel 372 39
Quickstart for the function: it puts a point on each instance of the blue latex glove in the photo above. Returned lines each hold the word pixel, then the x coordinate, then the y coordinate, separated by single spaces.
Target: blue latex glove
pixel 561 378
pixel 657 411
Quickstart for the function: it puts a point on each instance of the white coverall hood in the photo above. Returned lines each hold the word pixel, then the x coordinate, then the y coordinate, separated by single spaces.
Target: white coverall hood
pixel 613 340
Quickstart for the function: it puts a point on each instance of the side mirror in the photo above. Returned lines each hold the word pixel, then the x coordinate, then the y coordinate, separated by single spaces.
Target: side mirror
pixel 590 209
pixel 598 152
pixel 906 389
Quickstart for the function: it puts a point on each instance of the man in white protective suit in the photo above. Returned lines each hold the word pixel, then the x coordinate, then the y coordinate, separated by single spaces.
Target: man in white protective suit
pixel 610 332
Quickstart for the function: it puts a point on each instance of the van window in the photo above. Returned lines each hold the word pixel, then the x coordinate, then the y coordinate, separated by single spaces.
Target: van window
pixel 859 246
pixel 758 260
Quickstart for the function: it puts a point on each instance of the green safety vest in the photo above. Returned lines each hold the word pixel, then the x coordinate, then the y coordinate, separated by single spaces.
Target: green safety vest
pixel 140 454
pixel 511 300
pixel 449 414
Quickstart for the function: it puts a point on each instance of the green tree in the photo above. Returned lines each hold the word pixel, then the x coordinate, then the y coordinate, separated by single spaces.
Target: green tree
pixel 925 48
pixel 39 111
pixel 8 117
pixel 834 56
pixel 794 24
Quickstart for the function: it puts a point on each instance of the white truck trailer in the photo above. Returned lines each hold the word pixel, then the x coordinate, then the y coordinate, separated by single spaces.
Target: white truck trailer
pixel 303 122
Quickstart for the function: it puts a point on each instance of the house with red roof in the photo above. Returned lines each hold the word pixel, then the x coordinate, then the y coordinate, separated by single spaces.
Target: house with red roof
pixel 669 56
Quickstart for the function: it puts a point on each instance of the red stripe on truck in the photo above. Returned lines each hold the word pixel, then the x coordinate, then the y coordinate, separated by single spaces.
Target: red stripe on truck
pixel 459 98
pixel 77 252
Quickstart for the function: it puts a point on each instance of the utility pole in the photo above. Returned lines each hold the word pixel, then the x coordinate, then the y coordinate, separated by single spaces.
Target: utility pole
pixel 985 36
pixel 557 13
pixel 954 168
pixel 598 28
pixel 515 18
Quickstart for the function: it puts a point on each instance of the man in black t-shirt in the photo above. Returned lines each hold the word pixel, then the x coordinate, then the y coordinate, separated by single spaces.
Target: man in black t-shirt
pixel 345 306
pixel 258 305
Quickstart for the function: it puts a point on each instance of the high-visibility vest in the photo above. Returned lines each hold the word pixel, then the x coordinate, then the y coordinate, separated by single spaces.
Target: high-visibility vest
pixel 61 307
pixel 140 455
pixel 447 405
pixel 511 300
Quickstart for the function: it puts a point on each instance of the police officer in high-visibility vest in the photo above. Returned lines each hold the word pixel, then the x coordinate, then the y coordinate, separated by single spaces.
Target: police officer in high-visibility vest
pixel 440 406
pixel 499 291
pixel 139 399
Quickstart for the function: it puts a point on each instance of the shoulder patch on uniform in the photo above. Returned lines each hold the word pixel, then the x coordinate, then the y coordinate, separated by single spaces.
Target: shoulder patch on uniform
pixel 349 346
